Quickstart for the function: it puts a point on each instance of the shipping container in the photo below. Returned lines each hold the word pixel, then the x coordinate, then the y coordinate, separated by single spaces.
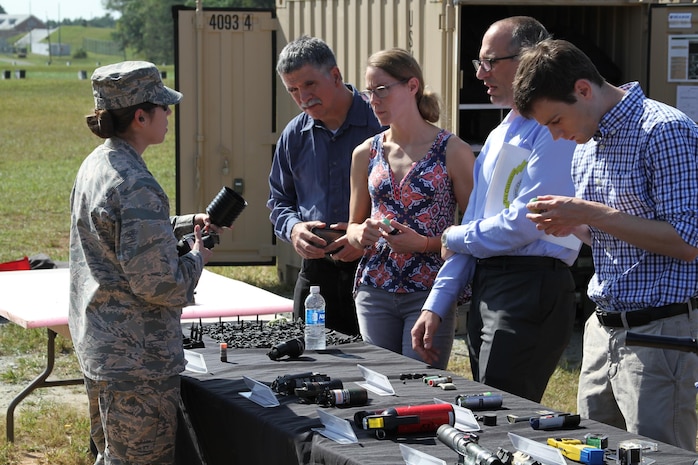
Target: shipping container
pixel 235 106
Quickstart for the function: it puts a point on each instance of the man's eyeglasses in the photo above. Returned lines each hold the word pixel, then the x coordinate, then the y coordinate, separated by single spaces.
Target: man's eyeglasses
pixel 488 63
pixel 381 91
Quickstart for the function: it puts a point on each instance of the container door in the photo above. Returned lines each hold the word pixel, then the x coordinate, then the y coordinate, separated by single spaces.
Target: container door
pixel 225 63
pixel 673 70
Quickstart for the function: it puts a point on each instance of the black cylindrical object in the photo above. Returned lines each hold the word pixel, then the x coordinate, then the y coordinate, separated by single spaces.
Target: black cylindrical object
pixel 225 207
pixel 351 397
pixel 484 401
pixel 685 344
pixel 293 349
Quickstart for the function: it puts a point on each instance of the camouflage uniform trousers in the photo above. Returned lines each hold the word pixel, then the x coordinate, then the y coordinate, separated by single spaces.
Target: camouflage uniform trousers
pixel 134 422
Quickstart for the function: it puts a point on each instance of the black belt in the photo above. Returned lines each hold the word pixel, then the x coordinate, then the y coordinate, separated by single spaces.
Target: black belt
pixel 522 261
pixel 645 315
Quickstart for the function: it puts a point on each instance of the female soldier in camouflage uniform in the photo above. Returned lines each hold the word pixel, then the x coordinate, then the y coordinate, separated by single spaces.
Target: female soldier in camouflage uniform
pixel 127 283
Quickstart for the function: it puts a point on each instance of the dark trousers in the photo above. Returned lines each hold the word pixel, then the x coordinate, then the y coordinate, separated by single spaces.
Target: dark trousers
pixel 336 281
pixel 520 321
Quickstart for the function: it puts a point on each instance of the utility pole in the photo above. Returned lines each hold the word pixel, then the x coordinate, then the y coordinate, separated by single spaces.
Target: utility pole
pixel 48 36
pixel 60 45
pixel 31 44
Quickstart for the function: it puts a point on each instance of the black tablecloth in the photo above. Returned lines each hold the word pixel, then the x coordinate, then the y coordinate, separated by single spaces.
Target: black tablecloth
pixel 231 429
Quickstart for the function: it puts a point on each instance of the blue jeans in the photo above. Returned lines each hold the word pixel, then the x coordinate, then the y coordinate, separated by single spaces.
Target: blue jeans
pixel 386 319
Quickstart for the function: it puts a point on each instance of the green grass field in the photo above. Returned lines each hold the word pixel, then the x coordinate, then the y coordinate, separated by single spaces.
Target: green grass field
pixel 74 35
pixel 44 139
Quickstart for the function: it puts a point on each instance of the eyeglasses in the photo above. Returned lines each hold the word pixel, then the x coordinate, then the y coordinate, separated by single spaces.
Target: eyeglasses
pixel 381 91
pixel 488 63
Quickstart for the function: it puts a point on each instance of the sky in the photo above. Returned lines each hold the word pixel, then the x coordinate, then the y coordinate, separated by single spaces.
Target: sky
pixel 57 9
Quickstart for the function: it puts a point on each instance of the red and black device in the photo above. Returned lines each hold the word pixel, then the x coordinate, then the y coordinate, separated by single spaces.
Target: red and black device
pixel 408 419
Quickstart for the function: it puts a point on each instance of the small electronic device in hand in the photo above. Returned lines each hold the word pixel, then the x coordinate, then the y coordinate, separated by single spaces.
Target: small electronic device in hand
pixel 187 242
pixel 329 235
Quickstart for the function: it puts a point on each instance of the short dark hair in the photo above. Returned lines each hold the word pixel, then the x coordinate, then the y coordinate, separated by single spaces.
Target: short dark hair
pixel 305 50
pixel 526 31
pixel 549 70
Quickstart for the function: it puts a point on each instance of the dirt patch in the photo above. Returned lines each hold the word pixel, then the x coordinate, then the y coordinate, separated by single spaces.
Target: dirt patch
pixel 71 395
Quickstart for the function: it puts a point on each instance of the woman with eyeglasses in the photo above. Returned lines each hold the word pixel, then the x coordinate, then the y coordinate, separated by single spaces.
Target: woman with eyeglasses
pixel 406 184
pixel 128 284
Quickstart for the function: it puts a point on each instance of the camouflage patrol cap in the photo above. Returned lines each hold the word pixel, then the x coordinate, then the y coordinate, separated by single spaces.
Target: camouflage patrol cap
pixel 129 83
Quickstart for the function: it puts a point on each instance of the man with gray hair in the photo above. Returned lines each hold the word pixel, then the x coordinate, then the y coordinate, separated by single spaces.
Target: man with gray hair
pixel 309 179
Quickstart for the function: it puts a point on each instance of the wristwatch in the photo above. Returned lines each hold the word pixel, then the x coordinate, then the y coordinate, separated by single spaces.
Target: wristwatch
pixel 443 238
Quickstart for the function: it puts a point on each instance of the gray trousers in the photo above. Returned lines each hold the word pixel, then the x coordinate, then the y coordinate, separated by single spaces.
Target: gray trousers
pixel 386 320
pixel 520 321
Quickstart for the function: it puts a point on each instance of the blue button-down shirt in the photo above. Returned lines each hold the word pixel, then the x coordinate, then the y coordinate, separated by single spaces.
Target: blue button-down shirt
pixel 509 232
pixel 645 163
pixel 309 178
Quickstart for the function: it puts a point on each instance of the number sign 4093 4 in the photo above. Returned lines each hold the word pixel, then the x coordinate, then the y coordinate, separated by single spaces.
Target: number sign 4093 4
pixel 231 22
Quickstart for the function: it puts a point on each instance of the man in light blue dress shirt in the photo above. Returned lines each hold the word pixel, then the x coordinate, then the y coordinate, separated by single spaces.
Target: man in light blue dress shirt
pixel 523 306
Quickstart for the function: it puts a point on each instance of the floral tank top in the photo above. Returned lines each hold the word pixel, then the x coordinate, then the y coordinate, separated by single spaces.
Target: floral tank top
pixel 424 201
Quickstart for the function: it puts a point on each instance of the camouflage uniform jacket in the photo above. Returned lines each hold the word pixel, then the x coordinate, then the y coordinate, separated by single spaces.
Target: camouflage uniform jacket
pixel 127 283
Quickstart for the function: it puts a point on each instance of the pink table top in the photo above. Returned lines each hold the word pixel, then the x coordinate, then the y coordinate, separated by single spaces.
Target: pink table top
pixel 39 298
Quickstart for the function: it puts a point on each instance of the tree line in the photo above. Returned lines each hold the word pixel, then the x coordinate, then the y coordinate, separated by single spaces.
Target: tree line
pixel 105 21
pixel 147 26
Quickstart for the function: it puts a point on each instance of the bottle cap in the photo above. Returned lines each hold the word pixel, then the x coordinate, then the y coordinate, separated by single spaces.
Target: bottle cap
pixel 314 289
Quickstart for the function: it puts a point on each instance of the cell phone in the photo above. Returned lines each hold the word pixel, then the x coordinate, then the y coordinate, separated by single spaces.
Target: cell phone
pixel 329 235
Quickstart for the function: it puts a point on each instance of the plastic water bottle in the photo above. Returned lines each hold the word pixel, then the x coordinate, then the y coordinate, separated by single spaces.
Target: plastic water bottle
pixel 314 320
